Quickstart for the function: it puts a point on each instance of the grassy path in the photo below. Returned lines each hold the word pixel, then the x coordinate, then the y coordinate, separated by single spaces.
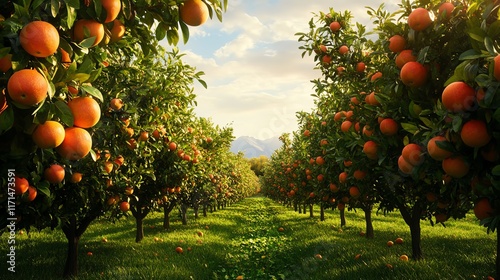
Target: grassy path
pixel 244 240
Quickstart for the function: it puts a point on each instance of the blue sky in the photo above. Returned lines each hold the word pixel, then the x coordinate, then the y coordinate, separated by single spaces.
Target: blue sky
pixel 256 77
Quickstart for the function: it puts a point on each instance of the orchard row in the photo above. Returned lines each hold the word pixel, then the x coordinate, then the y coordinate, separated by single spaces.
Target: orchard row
pixel 96 117
pixel 406 116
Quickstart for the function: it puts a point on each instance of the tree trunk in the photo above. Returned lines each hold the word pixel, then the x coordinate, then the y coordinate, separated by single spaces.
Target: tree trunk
pixel 196 207
pixel 412 219
pixel 204 209
pixel 139 229
pixel 295 207
pixel 342 218
pixel 166 215
pixel 369 224
pixel 304 209
pixel 321 212
pixel 71 267
pixel 311 212
pixel 184 208
pixel 73 231
pixel 299 207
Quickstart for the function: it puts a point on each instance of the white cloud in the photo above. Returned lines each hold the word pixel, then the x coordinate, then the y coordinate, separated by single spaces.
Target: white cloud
pixel 256 77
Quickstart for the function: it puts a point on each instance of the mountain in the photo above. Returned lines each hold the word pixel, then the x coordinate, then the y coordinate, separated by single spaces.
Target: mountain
pixel 252 147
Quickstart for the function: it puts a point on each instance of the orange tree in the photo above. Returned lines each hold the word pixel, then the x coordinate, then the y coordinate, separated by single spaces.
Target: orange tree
pixel 52 52
pixel 397 102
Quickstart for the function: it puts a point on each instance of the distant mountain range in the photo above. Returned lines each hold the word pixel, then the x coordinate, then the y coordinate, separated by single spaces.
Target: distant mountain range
pixel 252 147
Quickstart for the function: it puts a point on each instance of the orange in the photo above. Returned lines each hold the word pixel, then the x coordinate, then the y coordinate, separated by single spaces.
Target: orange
pixel 92 28
pixel 360 67
pixel 367 131
pixel 376 76
pixel 65 57
pixel 404 258
pixel 455 166
pixel 320 160
pixel 76 145
pixel 108 166
pixel 405 166
pixel 143 136
pixel 194 12
pixel 48 135
pixel 86 111
pixel 21 185
pixel 54 174
pixel 359 174
pixel 419 19
pixel 343 49
pixel 27 87
pixel 343 177
pixel 403 57
pixel 39 38
pixel 112 8
pixel 490 152
pixel 124 206
pixel 76 177
pixel 397 43
pixel 441 217
pixel 354 191
pixel 445 10
pixel 6 63
pixel 116 104
pixel 322 48
pixel 335 26
pixel 496 67
pixel 333 187
pixel 345 126
pixel 435 151
pixel 338 116
pixel 32 192
pixel 412 153
pixel 326 59
pixel 483 209
pixel 475 134
pixel 341 206
pixel 413 74
pixel 117 31
pixel 458 97
pixel 389 127
pixel 370 149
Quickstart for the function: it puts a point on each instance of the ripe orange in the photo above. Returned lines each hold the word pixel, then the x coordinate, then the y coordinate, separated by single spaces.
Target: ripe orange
pixel 376 76
pixel 370 149
pixel 76 145
pixel 345 126
pixel 112 8
pixel 116 104
pixel 343 177
pixel 39 38
pixel 490 152
pixel 338 116
pixel 458 97
pixel 397 43
pixel 399 240
pixel 413 74
pixel 21 185
pixel 419 19
pixel 117 31
pixel 475 134
pixel 496 67
pixel 404 258
pixel 32 192
pixel 341 206
pixel 108 166
pixel 326 59
pixel 6 63
pixel 95 29
pixel 124 206
pixel 403 57
pixel 48 135
pixel 335 26
pixel 54 174
pixel 27 87
pixel 359 174
pixel 405 166
pixel 86 111
pixel 333 187
pixel 412 153
pixel 320 160
pixel 307 133
pixel 389 127
pixel 390 243
pixel 441 217
pixel 194 12
pixel 360 67
pixel 179 250
pixel 322 49
pixel 455 166
pixel 483 208
pixel 76 177
pixel 445 10
pixel 435 151
pixel 343 50
pixel 354 191
pixel 143 136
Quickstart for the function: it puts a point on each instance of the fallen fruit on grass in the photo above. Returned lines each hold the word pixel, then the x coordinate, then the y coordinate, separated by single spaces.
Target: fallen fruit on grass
pixel 199 233
pixel 399 240
pixel 156 239
pixel 104 239
pixel 357 257
pixel 89 253
pixel 390 243
pixel 318 256
pixel 389 266
pixel 281 229
pixel 179 250
pixel 404 258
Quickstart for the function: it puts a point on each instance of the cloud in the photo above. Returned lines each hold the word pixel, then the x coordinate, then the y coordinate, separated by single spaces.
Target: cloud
pixel 256 78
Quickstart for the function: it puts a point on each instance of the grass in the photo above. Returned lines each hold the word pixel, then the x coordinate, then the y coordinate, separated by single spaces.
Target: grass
pixel 243 240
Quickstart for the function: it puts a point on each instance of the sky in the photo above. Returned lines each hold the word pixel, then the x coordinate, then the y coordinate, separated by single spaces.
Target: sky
pixel 257 79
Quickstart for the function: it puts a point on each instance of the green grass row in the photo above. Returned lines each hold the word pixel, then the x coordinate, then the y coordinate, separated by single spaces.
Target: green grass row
pixel 244 240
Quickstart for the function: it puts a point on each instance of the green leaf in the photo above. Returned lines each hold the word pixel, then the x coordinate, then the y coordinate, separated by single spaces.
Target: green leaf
pixel 470 54
pixel 160 33
pixel 411 128
pixel 6 119
pixel 81 77
pixel 477 34
pixel 496 170
pixel 427 122
pixel 63 111
pixel 44 188
pixel 173 36
pixel 488 43
pixel 55 5
pixel 92 91
pixel 185 31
